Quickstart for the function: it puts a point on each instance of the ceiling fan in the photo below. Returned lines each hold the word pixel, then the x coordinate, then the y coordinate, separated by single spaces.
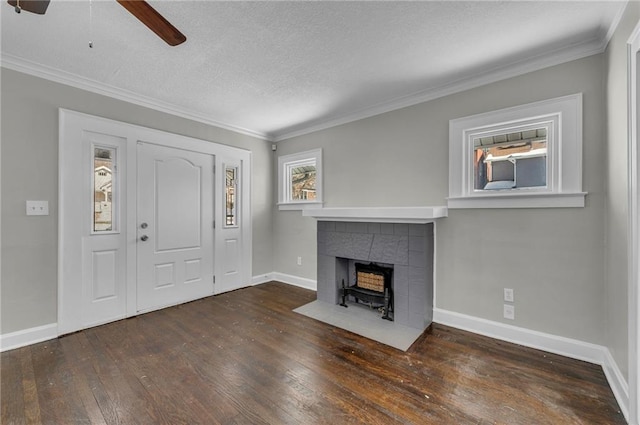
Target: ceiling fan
pixel 138 8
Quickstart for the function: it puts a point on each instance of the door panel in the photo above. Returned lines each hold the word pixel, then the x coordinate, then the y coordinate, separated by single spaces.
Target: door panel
pixel 193 271
pixel 105 272
pixel 175 226
pixel 230 265
pixel 103 246
pixel 178 204
pixel 229 244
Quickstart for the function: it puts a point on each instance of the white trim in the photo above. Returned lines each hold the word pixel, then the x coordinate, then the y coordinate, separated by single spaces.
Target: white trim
pixel 567 347
pixel 301 282
pixel 415 215
pixel 617 382
pixel 291 206
pixel 577 51
pixel 263 278
pixel 562 116
pixel 56 75
pixel 285 164
pixel 633 256
pixel 29 336
pixel 520 200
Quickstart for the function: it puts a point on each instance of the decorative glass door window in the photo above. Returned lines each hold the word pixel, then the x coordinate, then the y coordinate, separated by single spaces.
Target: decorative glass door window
pixel 104 160
pixel 231 188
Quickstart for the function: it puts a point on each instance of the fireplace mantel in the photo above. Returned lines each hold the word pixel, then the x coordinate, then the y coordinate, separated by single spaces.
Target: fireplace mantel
pixel 413 215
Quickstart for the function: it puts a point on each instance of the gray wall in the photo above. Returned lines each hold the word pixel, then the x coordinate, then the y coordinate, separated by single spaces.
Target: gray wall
pixel 552 258
pixel 29 170
pixel 616 224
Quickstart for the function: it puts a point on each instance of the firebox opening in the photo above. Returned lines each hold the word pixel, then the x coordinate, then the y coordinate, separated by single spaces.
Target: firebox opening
pixel 372 286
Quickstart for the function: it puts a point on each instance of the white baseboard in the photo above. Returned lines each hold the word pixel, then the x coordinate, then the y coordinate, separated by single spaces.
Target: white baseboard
pixel 285 278
pixel 567 347
pixel 29 336
pixel 262 278
pixel 302 282
pixel 617 382
pixel 572 348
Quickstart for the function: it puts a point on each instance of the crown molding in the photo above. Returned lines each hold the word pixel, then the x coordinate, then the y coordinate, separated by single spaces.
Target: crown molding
pixel 567 54
pixel 56 75
pixel 576 51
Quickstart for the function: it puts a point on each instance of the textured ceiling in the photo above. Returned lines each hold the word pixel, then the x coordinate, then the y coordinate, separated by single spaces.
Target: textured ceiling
pixel 276 69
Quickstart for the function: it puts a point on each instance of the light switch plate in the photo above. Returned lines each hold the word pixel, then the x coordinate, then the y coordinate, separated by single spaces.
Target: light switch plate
pixel 508 295
pixel 37 207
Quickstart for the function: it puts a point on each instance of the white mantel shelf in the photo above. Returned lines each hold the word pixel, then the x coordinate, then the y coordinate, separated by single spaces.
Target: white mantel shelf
pixel 416 215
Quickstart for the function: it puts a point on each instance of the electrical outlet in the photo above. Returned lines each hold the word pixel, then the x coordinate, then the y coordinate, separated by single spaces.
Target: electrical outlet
pixel 509 312
pixel 37 207
pixel 299 261
pixel 508 295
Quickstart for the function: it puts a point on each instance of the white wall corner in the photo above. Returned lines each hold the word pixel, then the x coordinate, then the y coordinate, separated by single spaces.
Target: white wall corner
pixel 29 336
pixel 572 348
pixel 301 282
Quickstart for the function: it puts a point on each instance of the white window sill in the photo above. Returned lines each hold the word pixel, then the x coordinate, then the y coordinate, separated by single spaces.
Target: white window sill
pixel 293 206
pixel 524 200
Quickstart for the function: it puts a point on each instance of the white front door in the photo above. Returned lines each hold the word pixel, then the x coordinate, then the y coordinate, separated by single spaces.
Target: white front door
pixel 174 226
pixel 111 182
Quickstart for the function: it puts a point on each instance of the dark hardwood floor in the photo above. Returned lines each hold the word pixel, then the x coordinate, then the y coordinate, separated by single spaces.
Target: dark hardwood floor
pixel 245 358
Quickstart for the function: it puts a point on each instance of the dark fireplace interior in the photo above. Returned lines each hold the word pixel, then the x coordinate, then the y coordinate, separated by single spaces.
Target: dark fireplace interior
pixel 372 285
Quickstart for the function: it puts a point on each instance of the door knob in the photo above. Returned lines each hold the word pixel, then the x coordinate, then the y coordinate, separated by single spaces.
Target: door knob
pixel 143 225
pixel 144 238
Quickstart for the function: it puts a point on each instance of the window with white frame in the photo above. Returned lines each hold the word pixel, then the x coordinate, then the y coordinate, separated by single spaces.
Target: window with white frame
pixel 300 180
pixel 104 211
pixel 523 157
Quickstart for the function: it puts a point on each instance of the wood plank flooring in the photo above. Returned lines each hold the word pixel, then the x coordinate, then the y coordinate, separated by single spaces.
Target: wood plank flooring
pixel 245 358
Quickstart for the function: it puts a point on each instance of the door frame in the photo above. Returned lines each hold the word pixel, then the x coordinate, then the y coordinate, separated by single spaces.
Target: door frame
pixel 71 127
pixel 633 50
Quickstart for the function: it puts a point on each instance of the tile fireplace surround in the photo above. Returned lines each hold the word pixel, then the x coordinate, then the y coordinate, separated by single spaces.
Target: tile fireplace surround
pixel 406 246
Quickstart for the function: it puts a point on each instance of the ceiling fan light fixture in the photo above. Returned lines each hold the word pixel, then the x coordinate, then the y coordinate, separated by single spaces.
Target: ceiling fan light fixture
pixel 34 6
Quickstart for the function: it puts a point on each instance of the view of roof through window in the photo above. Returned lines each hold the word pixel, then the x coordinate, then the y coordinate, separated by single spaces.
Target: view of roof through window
pixel 511 161
pixel 303 183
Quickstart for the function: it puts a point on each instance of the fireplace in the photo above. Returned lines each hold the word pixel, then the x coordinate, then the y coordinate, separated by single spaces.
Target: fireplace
pixel 406 248
pixel 373 286
pixel 400 238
